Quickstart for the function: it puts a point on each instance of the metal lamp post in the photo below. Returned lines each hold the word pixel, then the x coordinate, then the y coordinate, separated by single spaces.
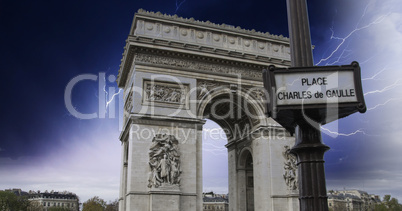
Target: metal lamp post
pixel 308 148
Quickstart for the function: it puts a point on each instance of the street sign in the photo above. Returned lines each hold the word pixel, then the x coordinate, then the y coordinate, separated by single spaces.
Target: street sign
pixel 331 92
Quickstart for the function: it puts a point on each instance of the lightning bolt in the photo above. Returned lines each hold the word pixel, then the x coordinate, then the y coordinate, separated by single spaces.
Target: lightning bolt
pixel 395 84
pixel 344 39
pixel 346 53
pixel 345 134
pixel 383 104
pixel 112 98
pixel 375 75
pixel 178 5
pixel 369 59
pixel 342 56
pixel 107 94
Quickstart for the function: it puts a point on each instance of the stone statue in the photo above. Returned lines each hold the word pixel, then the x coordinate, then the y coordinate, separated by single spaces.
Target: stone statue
pixel 164 161
pixel 164 166
pixel 175 171
pixel 154 178
pixel 290 173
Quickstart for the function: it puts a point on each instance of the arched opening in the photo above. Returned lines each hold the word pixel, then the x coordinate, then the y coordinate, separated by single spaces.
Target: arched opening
pixel 214 159
pixel 246 168
pixel 238 114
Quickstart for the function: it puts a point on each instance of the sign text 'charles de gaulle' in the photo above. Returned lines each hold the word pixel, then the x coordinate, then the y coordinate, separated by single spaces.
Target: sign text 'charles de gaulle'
pixel 315 88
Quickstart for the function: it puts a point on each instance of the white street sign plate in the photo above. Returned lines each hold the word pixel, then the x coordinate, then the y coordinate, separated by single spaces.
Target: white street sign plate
pixel 319 87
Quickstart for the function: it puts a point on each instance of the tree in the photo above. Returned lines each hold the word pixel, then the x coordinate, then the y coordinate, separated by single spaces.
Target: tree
pixel 394 205
pixel 10 201
pixel 388 204
pixel 94 204
pixel 113 205
pixel 380 207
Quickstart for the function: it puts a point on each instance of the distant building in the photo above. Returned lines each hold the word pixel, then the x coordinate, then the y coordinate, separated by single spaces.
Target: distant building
pixel 351 200
pixel 17 191
pixel 212 201
pixel 55 199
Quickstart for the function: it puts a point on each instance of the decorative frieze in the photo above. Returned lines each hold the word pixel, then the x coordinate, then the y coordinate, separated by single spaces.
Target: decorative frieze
pixel 166 94
pixel 197 65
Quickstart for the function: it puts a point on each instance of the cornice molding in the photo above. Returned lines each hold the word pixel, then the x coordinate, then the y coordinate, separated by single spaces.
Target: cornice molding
pixel 229 63
pixel 228 27
pixel 161 32
pixel 208 66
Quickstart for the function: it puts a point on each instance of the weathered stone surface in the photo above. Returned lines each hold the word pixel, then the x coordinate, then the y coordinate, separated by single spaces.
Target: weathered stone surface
pixel 175 73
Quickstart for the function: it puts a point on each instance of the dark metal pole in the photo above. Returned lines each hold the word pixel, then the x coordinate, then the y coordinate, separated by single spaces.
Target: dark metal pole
pixel 308 148
pixel 299 33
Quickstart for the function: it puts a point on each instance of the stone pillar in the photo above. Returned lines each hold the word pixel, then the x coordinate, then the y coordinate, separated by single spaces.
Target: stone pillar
pixel 199 168
pixel 241 189
pixel 165 200
pixel 232 179
pixel 171 196
pixel 137 195
pixel 123 176
pixel 262 172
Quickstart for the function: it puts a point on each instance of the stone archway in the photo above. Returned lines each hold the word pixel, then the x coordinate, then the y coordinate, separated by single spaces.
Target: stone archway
pixel 238 113
pixel 245 169
pixel 175 72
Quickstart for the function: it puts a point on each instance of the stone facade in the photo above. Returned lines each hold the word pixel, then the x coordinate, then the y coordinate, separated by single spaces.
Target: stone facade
pixel 352 200
pixel 52 199
pixel 215 202
pixel 176 73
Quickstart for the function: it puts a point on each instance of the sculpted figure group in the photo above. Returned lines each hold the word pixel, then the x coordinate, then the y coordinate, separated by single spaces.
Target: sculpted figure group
pixel 162 93
pixel 290 174
pixel 164 161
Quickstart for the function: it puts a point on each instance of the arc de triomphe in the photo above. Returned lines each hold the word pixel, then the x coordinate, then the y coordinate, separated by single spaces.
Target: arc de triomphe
pixel 176 73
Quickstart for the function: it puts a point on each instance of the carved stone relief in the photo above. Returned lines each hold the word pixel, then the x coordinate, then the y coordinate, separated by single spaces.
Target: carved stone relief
pixel 129 102
pixel 165 93
pixel 199 65
pixel 164 162
pixel 290 169
pixel 257 93
pixel 203 87
pixel 128 106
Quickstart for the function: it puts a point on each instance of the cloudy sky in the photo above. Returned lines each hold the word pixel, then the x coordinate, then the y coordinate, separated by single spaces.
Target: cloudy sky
pixel 46 44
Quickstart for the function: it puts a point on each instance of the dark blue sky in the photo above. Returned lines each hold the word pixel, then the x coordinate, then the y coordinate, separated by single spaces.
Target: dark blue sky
pixel 45 44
